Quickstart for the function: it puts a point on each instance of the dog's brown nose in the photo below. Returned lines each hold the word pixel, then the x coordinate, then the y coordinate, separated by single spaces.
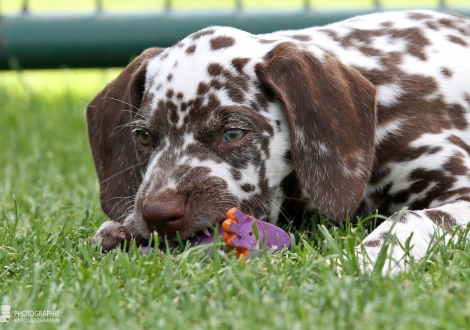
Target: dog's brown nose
pixel 166 216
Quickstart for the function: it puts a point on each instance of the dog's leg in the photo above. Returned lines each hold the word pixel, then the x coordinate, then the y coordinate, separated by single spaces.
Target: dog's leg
pixel 419 227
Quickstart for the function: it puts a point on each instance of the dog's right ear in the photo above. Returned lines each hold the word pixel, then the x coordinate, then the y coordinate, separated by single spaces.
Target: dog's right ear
pixel 110 138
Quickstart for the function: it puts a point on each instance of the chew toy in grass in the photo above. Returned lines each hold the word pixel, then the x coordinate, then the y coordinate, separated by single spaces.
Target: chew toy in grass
pixel 244 234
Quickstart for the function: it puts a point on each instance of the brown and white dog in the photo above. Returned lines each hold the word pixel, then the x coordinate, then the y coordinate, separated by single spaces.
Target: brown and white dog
pixel 372 113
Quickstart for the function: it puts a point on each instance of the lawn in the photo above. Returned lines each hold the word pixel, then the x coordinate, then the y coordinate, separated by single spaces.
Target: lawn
pixel 49 209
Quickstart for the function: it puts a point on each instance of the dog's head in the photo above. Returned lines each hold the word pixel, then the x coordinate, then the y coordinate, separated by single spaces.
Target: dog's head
pixel 221 119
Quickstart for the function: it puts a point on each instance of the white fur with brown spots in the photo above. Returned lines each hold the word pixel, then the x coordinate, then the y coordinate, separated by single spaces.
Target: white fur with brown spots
pixel 372 113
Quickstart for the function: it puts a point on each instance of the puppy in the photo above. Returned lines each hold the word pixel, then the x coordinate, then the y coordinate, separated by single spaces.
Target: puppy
pixel 372 113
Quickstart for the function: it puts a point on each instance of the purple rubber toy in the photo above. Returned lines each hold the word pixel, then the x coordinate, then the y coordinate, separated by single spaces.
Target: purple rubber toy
pixel 244 234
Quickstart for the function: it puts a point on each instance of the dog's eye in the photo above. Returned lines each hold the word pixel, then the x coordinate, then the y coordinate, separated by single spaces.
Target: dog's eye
pixel 145 138
pixel 233 135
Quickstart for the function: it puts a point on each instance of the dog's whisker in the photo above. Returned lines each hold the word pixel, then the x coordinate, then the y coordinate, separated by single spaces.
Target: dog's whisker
pixel 118 173
pixel 127 205
pixel 118 100
pixel 297 199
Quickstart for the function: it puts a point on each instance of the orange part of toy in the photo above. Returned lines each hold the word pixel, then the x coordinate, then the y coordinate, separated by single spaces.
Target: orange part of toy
pixel 229 235
pixel 241 252
pixel 231 214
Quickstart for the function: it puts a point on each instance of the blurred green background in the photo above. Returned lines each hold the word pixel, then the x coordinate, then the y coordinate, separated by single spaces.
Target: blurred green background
pixel 12 6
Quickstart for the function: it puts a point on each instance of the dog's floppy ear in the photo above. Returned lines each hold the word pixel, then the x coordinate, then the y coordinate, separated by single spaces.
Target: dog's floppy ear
pixel 331 113
pixel 110 139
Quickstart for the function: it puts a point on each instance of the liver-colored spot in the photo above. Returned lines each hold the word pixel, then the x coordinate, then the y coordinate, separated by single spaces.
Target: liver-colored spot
pixel 214 69
pixel 190 49
pixel 373 243
pixel 459 142
pixel 456 165
pixel 458 41
pixel 446 72
pixel 236 174
pixel 457 116
pixel 202 88
pixel 202 33
pixel 248 187
pixel 419 16
pixel 432 25
pixel 441 218
pixel 239 63
pixel 301 37
pixel 222 42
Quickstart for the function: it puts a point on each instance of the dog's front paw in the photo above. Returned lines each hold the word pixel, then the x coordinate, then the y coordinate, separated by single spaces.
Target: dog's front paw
pixel 111 235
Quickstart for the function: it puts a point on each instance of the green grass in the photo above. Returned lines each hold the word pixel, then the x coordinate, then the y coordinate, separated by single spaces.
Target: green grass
pixel 49 209
pixel 47 263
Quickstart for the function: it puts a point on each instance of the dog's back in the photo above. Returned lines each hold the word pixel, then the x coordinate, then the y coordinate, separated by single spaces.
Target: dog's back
pixel 419 63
